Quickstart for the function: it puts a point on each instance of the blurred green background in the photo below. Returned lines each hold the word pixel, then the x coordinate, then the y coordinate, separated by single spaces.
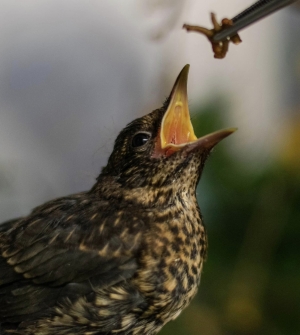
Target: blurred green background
pixel 251 280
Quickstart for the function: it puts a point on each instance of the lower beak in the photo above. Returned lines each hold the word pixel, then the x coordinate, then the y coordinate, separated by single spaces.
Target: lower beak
pixel 176 130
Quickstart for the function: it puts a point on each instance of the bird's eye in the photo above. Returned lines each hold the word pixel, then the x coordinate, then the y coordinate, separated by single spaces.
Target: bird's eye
pixel 139 140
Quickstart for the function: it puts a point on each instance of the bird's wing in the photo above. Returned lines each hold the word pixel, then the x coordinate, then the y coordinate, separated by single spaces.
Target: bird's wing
pixel 75 242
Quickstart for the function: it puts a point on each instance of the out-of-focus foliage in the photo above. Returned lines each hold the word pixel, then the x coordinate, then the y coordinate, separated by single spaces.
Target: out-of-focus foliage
pixel 251 280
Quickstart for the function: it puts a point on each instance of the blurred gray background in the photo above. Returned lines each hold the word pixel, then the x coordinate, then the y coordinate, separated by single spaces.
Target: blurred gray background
pixel 73 73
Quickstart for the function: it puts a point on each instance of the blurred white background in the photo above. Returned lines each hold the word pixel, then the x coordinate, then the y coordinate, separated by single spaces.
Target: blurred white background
pixel 73 73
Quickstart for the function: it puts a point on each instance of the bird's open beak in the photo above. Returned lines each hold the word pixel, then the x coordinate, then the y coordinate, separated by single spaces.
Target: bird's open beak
pixel 177 130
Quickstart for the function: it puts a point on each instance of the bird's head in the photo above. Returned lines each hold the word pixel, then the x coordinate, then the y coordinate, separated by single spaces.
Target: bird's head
pixel 161 148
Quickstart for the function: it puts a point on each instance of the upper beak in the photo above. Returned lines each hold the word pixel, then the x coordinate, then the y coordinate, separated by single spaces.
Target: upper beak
pixel 176 129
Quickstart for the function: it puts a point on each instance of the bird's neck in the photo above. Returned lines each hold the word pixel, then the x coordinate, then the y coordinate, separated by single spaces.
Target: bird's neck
pixel 146 196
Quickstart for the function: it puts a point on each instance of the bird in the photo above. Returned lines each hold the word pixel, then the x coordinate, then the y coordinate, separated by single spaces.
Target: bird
pixel 124 257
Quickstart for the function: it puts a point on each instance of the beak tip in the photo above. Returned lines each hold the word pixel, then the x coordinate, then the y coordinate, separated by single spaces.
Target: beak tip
pixel 186 68
pixel 218 136
pixel 181 80
pixel 232 130
pixel 184 72
pixel 207 142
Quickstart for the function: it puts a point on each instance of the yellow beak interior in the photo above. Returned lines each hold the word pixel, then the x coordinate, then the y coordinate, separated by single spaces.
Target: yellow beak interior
pixel 176 128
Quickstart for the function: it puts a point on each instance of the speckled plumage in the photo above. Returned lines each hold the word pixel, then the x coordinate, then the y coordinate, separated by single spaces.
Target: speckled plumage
pixel 122 258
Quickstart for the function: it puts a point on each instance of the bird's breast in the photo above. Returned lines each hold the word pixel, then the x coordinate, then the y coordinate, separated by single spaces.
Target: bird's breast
pixel 172 258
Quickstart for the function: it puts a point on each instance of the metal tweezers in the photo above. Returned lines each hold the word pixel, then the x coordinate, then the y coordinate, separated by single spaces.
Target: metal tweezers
pixel 257 11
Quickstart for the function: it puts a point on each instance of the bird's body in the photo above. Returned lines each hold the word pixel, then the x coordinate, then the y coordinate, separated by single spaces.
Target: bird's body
pixel 123 258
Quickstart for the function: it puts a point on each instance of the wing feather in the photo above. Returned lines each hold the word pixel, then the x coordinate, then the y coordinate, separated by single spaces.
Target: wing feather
pixel 64 248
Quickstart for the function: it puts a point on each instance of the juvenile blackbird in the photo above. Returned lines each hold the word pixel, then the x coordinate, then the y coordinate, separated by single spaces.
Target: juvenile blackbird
pixel 124 257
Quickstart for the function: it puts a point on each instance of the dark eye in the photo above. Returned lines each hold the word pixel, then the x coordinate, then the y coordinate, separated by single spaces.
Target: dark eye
pixel 140 139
